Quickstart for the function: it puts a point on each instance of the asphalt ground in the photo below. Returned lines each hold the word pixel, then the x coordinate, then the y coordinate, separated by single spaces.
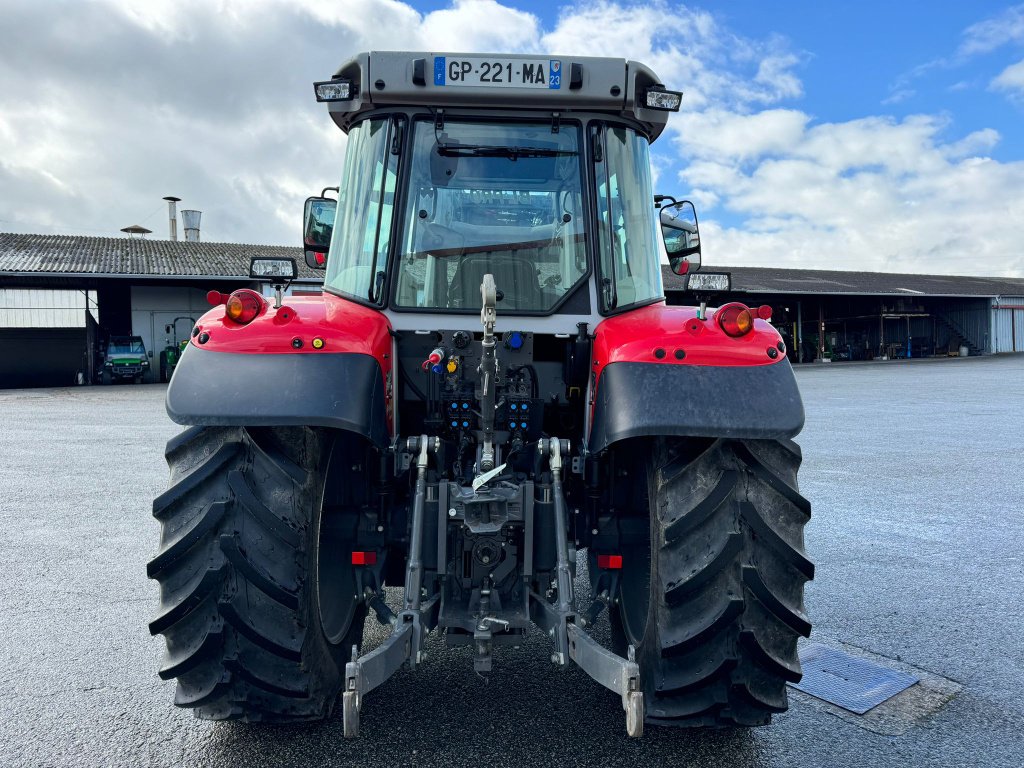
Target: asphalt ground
pixel 915 473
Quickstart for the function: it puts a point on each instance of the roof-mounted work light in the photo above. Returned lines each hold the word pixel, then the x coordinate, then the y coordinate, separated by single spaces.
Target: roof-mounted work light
pixel 283 270
pixel 333 90
pixel 708 282
pixel 659 98
pixel 275 271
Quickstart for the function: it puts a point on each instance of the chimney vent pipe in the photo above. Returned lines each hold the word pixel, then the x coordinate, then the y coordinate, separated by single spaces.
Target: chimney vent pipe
pixel 190 220
pixel 172 212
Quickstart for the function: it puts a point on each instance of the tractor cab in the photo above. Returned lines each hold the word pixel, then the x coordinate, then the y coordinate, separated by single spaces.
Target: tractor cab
pixel 536 171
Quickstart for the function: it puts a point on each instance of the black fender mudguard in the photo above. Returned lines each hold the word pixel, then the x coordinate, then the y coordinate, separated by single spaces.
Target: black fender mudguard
pixel 657 399
pixel 343 391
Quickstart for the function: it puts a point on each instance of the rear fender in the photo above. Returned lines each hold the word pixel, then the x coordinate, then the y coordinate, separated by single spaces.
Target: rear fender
pixel 268 373
pixel 661 371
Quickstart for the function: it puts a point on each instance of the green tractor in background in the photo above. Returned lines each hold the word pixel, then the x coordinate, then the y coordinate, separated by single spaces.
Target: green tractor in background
pixel 172 352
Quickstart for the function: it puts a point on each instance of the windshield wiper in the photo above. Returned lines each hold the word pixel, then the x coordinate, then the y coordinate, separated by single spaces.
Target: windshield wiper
pixel 512 153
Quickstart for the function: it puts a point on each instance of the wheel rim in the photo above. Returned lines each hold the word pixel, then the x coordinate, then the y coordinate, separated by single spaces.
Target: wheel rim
pixel 635 592
pixel 335 581
pixel 635 579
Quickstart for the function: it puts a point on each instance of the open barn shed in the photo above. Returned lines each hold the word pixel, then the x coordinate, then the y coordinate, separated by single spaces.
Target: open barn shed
pixel 62 297
pixel 833 315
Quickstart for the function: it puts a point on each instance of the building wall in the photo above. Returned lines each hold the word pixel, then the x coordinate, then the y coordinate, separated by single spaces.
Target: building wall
pixel 1008 324
pixel 155 307
pixel 44 308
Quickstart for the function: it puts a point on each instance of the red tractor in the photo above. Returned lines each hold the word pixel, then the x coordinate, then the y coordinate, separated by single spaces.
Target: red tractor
pixel 490 393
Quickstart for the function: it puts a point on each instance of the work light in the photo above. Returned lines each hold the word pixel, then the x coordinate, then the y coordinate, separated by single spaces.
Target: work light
pixel 659 98
pixel 333 90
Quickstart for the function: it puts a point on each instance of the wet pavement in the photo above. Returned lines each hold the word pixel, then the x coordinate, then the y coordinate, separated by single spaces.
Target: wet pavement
pixel 916 474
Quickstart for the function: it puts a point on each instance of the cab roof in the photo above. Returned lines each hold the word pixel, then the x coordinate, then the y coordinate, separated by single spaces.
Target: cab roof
pixel 381 79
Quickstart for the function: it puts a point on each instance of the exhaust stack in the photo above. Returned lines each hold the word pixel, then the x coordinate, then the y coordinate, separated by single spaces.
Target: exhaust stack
pixel 190 220
pixel 172 212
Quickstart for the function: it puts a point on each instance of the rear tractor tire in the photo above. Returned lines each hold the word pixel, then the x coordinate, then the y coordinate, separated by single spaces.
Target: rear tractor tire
pixel 257 589
pixel 713 601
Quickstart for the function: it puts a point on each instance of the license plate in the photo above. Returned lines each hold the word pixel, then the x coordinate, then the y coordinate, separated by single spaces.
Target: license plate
pixel 497 73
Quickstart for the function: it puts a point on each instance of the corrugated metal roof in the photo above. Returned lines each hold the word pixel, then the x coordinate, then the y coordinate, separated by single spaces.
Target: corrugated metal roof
pixel 822 281
pixel 57 255
pixel 74 254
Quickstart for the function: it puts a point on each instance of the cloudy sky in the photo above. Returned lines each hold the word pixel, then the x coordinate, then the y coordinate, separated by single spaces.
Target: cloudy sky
pixel 844 135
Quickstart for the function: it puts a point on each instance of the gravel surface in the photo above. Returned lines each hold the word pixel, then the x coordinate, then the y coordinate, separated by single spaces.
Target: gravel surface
pixel 915 472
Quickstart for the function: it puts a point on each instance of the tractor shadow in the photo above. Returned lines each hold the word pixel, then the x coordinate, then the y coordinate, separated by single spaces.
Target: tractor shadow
pixel 526 712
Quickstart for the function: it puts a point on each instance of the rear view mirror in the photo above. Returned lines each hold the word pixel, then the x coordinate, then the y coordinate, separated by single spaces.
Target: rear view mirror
pixel 317 230
pixel 681 236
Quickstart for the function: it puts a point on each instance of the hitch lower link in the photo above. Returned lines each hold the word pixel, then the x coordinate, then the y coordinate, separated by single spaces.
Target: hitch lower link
pixel 559 619
pixel 417 618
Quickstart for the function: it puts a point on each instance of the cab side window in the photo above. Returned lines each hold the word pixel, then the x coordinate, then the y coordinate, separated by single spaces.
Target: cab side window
pixel 630 272
pixel 357 262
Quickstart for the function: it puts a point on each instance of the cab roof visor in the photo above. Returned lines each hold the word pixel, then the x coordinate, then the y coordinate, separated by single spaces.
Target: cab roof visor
pixel 545 83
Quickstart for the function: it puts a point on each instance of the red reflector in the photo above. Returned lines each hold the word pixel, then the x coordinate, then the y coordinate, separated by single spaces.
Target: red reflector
pixel 364 558
pixel 216 298
pixel 764 312
pixel 609 561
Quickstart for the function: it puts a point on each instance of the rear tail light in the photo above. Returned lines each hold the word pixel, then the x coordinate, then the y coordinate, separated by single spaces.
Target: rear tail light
pixel 243 305
pixel 735 319
pixel 368 557
pixel 609 561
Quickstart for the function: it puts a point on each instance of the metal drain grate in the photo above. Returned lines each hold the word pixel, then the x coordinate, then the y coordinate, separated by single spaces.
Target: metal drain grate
pixel 854 684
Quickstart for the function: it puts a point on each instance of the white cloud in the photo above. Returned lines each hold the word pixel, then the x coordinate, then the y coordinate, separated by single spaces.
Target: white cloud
pixel 1010 80
pixel 720 133
pixel 994 32
pixel 868 194
pixel 106 107
pixel 972 144
pixel 979 39
pixel 684 46
pixel 484 25
pixel 898 95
